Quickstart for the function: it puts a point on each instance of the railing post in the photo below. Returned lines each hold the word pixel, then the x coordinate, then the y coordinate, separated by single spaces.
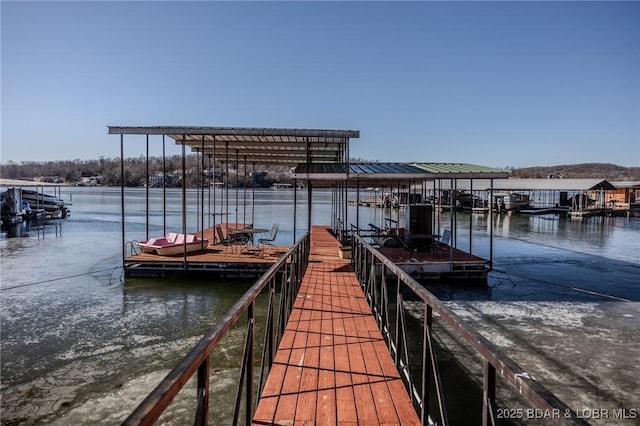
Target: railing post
pixel 488 394
pixel 431 387
pixel 397 328
pixel 268 347
pixel 426 363
pixel 271 329
pixel 202 412
pixel 284 302
pixel 249 406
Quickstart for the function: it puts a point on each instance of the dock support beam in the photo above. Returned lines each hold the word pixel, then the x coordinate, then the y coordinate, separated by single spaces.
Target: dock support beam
pixel 295 209
pixel 309 195
pixel 491 226
pixel 184 204
pixel 124 252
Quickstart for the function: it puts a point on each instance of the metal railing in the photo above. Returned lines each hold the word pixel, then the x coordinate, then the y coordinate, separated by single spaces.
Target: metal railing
pixel 282 282
pixel 388 290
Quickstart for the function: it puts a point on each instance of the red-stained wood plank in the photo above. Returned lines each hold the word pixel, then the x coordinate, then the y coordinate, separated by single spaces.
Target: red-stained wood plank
pixel 270 397
pixel 401 400
pixel 306 404
pixel 345 396
pixel 368 334
pixel 285 412
pixel 326 400
pixel 332 365
pixel 365 406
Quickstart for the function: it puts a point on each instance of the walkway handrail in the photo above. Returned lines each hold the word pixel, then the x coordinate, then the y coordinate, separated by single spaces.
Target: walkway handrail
pixel 372 269
pixel 290 268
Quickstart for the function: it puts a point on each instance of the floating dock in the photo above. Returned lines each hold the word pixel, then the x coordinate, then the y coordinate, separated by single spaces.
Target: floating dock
pixel 224 260
pixel 442 262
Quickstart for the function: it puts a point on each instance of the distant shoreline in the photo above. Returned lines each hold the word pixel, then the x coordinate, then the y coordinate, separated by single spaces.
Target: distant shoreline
pixel 71 173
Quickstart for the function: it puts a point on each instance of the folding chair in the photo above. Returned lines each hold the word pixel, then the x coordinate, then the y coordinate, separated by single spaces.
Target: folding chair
pixel 272 236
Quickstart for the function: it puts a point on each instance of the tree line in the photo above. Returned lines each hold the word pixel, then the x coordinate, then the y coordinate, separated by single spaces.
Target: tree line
pixel 106 171
pixel 135 171
pixel 610 172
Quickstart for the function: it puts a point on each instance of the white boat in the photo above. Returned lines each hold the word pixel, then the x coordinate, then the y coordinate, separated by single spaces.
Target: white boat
pixel 282 186
pixel 173 244
pixel 510 201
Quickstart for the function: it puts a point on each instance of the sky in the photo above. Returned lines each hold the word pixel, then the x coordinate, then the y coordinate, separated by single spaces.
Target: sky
pixel 503 84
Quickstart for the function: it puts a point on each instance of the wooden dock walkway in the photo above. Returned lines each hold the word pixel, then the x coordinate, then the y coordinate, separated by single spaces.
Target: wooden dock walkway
pixel 332 366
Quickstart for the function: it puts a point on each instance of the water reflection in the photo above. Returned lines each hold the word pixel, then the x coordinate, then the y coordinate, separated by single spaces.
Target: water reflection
pixel 33 227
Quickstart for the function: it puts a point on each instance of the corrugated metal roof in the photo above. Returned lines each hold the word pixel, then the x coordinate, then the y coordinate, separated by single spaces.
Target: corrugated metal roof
pixel 381 174
pixel 517 184
pixel 383 168
pixel 256 145
pixel 626 184
pixel 457 168
pixel 425 170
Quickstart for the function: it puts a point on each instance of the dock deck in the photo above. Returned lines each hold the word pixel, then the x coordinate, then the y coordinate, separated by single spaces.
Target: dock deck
pixel 233 260
pixel 332 365
pixel 442 262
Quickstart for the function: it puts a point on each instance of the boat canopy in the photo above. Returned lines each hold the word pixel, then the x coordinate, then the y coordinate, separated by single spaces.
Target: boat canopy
pixel 318 156
pixel 381 174
pixel 537 184
pixel 256 145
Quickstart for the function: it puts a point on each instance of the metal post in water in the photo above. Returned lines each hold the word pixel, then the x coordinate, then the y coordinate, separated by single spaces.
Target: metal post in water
pixel 451 242
pixel 358 206
pixel 122 194
pixel 202 191
pixel 491 225
pixel 471 216
pixel 184 205
pixel 164 189
pixel 146 180
pixel 237 184
pixel 253 194
pixel 244 193
pixel 215 211
pixel 226 184
pixel 295 208
pixel 209 194
pixel 309 195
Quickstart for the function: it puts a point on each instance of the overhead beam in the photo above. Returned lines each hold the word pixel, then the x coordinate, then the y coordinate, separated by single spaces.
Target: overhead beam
pixel 272 151
pixel 263 144
pixel 238 131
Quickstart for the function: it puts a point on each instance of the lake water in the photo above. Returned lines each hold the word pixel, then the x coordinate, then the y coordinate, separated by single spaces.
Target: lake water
pixel 81 345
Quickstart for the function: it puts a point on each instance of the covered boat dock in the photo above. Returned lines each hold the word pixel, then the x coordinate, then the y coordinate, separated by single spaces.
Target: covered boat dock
pixel 561 195
pixel 415 237
pixel 319 159
pixel 225 148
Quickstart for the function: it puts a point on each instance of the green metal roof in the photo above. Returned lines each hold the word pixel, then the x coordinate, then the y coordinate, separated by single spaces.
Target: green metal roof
pixel 359 168
pixel 458 168
pixel 381 173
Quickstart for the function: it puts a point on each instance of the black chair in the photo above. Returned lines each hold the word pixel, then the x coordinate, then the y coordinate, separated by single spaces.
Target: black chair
pixel 232 238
